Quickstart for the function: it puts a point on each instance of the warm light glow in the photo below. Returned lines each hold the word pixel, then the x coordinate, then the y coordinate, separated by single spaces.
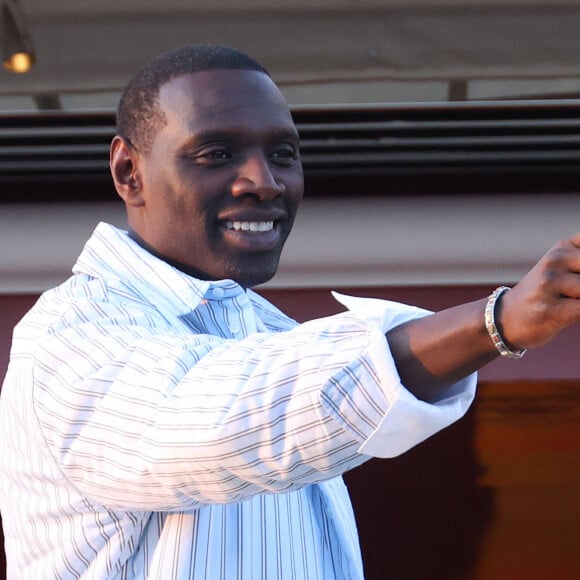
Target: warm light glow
pixel 19 62
pixel 15 39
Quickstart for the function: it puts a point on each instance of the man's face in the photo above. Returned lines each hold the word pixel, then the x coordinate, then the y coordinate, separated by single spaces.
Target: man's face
pixel 223 179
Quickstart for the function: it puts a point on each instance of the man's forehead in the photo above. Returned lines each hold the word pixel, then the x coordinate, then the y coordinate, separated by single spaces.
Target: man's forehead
pixel 219 102
pixel 219 90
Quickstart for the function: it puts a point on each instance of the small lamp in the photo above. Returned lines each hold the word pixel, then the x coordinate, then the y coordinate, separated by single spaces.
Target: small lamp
pixel 17 47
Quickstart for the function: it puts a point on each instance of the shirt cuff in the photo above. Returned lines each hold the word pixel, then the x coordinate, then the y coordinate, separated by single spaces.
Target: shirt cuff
pixel 407 420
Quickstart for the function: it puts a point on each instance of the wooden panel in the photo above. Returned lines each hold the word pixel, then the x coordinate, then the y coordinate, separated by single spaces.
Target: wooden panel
pixel 528 442
pixel 496 495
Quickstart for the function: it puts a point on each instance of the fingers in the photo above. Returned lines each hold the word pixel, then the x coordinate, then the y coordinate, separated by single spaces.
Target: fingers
pixel 566 253
pixel 565 284
pixel 546 300
pixel 565 312
pixel 559 269
pixel 575 240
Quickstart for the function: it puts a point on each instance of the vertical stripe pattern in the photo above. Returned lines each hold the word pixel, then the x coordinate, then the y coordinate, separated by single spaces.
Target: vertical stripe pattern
pixel 155 426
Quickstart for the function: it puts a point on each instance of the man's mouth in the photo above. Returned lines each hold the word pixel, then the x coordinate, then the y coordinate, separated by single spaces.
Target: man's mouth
pixel 260 226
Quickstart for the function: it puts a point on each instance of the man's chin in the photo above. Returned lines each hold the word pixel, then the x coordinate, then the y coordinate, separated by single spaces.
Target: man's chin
pixel 250 281
pixel 249 276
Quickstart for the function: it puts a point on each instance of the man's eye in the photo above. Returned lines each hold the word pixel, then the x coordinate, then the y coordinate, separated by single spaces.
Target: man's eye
pixel 220 154
pixel 284 154
pixel 212 156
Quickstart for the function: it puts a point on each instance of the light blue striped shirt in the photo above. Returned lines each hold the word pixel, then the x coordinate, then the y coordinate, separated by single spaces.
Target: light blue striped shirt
pixel 157 426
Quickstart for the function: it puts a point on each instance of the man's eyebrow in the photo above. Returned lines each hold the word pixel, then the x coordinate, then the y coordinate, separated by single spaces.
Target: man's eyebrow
pixel 234 134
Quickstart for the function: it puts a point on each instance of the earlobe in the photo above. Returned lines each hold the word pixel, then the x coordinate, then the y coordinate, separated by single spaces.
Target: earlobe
pixel 123 162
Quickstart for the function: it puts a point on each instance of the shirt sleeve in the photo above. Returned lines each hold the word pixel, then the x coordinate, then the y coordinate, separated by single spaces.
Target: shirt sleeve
pixel 406 420
pixel 141 414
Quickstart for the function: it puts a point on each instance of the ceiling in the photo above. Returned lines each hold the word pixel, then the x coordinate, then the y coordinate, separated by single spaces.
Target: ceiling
pixel 320 51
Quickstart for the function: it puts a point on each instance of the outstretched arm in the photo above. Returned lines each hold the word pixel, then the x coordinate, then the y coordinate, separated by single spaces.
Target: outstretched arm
pixel 434 351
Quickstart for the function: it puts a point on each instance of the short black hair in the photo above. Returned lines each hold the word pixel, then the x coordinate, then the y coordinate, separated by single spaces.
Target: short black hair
pixel 138 114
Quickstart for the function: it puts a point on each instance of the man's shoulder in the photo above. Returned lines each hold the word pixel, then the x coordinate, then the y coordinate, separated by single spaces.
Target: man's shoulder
pixel 79 300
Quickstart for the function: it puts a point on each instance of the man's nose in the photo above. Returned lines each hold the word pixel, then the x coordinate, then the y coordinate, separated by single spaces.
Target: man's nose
pixel 255 177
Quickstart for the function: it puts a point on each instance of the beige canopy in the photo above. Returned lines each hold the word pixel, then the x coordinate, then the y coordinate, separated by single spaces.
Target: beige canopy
pixel 320 51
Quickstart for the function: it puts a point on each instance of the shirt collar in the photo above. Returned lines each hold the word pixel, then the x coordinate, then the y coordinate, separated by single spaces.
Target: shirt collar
pixel 112 255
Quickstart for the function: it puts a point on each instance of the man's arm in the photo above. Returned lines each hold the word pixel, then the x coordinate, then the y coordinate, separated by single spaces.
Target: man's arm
pixel 434 351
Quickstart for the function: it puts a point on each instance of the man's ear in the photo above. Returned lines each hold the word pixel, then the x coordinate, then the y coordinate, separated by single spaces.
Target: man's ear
pixel 124 162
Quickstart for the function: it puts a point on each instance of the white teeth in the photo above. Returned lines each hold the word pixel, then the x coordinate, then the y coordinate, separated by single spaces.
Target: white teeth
pixel 250 226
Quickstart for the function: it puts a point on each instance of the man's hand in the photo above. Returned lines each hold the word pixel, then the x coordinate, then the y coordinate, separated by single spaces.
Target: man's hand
pixel 434 351
pixel 546 301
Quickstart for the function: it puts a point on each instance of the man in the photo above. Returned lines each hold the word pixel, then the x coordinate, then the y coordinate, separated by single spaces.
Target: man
pixel 161 420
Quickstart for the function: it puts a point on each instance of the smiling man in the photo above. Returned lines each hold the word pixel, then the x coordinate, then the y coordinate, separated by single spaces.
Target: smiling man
pixel 161 420
pixel 217 190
